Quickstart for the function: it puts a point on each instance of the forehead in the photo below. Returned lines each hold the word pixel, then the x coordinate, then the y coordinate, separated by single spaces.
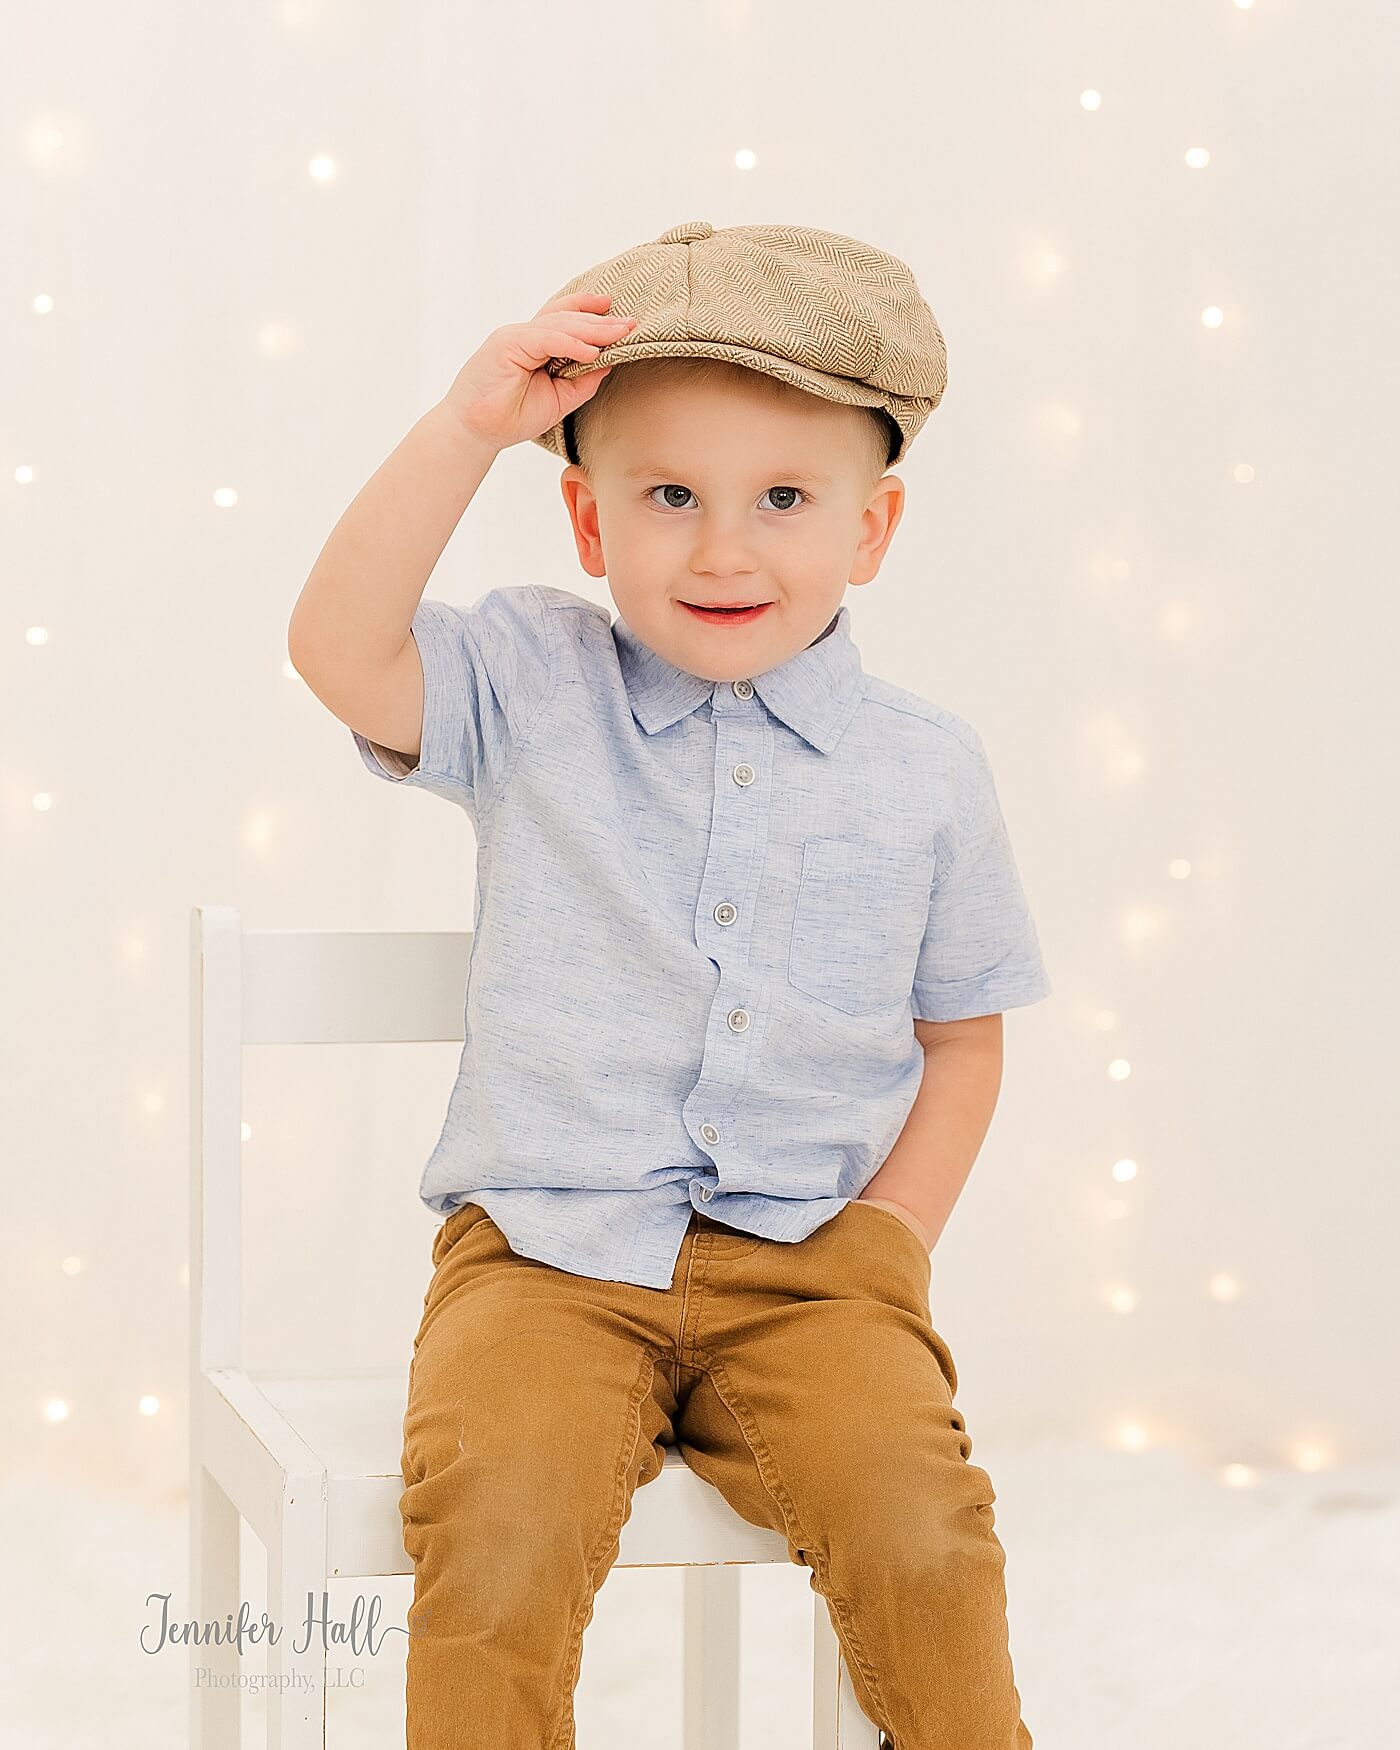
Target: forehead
pixel 683 390
pixel 661 470
pixel 660 420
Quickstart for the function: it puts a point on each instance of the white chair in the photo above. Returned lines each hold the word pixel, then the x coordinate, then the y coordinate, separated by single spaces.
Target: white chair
pixel 311 1460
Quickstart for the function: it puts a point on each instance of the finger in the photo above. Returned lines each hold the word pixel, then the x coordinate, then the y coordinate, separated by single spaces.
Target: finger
pixel 574 391
pixel 543 343
pixel 597 301
pixel 591 321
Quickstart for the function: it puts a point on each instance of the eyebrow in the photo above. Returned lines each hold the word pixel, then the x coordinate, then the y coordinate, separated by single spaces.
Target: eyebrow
pixel 802 475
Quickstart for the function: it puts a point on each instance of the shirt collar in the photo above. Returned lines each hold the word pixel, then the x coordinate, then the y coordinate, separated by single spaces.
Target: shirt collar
pixel 814 692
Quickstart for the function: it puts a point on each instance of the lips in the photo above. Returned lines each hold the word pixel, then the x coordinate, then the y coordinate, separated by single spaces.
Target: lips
pixel 716 614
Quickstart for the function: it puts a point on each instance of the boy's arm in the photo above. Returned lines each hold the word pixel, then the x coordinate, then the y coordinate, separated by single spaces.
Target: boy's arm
pixel 349 635
pixel 980 955
pixel 923 1174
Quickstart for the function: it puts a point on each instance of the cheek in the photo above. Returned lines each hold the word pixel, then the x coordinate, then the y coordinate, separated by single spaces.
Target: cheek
pixel 643 540
pixel 808 544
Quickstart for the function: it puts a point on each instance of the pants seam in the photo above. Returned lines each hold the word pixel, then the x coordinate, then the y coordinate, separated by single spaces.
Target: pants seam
pixel 771 1479
pixel 563 1736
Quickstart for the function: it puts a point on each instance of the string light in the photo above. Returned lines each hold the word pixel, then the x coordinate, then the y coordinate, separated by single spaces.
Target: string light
pixel 258 830
pixel 48 145
pixel 277 339
pixel 1059 420
pixel 1141 924
pixel 1178 619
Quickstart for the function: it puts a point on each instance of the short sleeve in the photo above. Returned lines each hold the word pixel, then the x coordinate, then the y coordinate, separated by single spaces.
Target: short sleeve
pixel 980 952
pixel 487 675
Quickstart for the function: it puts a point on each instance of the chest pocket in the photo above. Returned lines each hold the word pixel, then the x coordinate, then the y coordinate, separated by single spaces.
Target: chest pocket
pixel 862 910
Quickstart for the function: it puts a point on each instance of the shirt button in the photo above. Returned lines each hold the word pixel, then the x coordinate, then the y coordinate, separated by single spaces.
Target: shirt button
pixel 709 1133
pixel 738 1020
pixel 743 774
pixel 725 913
pixel 743 689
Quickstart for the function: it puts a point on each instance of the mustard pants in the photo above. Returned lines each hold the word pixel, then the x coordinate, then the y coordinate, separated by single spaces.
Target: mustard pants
pixel 803 1380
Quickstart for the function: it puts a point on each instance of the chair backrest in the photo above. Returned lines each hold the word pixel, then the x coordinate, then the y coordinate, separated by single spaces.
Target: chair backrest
pixel 273 987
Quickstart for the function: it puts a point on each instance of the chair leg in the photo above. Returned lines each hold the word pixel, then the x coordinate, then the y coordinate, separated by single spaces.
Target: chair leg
pixel 838 1722
pixel 296 1582
pixel 711 1657
pixel 215 1716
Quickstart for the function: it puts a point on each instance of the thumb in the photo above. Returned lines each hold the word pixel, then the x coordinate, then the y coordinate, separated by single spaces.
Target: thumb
pixel 574 391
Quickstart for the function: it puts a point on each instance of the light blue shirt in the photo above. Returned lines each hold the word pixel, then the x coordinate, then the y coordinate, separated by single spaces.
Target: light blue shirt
pixel 707 914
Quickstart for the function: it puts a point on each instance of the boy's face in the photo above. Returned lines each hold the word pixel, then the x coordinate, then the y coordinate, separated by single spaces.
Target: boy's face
pixel 704 493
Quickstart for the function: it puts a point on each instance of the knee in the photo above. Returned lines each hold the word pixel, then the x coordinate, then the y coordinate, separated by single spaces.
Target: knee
pixel 493 1545
pixel 949 1526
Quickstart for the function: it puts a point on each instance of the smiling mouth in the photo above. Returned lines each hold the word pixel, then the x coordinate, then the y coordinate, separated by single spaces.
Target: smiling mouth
pixel 714 611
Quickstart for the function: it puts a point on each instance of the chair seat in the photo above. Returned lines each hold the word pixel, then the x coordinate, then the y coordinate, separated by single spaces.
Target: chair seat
pixel 353 1422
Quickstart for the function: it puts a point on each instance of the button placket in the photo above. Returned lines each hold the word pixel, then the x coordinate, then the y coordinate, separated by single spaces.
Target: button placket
pixel 732 863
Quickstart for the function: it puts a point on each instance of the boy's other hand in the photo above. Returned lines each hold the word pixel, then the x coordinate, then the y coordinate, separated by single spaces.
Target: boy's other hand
pixel 907 1216
pixel 503 395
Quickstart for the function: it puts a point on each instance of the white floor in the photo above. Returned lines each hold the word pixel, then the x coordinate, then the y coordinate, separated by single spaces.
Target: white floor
pixel 1152 1608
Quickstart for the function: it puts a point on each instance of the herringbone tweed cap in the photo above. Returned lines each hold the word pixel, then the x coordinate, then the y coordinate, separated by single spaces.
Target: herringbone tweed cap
pixel 826 313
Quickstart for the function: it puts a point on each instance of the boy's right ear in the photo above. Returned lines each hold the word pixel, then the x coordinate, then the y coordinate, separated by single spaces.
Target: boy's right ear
pixel 583 514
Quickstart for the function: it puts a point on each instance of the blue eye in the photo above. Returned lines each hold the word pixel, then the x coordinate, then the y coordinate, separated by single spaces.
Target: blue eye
pixel 786 489
pixel 685 492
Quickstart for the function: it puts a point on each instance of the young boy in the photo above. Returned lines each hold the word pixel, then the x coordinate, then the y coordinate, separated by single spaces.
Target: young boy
pixel 746 920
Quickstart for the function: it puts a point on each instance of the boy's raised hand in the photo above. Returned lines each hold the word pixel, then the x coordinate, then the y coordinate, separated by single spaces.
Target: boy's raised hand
pixel 504 395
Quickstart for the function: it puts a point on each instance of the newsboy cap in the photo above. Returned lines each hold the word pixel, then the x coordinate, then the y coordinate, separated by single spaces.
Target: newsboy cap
pixel 825 313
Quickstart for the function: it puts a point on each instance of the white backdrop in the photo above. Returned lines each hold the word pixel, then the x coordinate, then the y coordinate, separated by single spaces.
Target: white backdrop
pixel 1144 554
